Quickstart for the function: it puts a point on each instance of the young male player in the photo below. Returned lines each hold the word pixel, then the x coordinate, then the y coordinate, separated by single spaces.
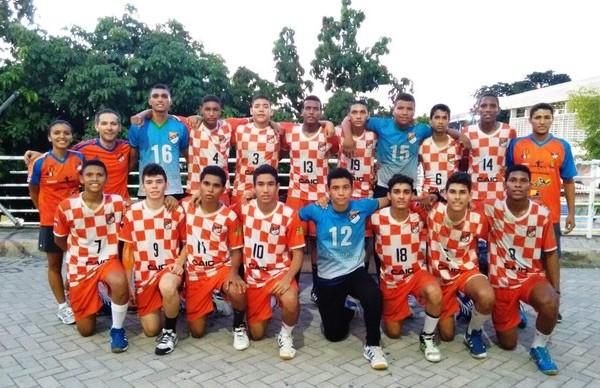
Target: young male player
pixel 87 225
pixel 212 256
pixel 152 236
pixel 273 253
pixel 452 234
pixel 524 265
pixel 340 262
pixel 399 233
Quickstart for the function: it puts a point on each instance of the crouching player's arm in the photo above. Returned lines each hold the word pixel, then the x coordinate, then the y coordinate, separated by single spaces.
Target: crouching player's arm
pixel 285 283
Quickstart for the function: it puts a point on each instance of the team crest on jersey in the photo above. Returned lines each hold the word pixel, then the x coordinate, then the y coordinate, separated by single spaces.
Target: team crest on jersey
pixel 168 224
pixel 503 142
pixel 50 171
pixel 531 231
pixel 217 229
pixel 354 216
pixel 275 229
pixel 541 182
pixel 450 157
pixel 222 139
pixel 525 154
pixel 271 139
pixel 322 147
pixel 369 144
pixel 412 138
pixel 173 137
pixel 465 237
pixel 120 158
pixel 415 228
pixel 110 218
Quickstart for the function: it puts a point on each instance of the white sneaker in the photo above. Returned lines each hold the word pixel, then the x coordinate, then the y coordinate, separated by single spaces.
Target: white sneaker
pixel 222 307
pixel 66 315
pixel 375 355
pixel 240 338
pixel 167 340
pixel 286 346
pixel 429 348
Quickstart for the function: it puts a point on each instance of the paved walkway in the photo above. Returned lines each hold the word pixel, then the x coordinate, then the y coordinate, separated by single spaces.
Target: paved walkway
pixel 35 350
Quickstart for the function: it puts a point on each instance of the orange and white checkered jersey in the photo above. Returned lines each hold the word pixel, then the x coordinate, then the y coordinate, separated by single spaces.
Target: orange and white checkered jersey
pixel 399 244
pixel 268 241
pixel 453 246
pixel 309 157
pixel 93 234
pixel 210 238
pixel 517 244
pixel 254 147
pixel 438 163
pixel 362 162
pixel 487 160
pixel 155 235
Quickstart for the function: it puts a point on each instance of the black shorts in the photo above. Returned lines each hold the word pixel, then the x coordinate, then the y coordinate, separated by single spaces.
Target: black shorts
pixel 46 240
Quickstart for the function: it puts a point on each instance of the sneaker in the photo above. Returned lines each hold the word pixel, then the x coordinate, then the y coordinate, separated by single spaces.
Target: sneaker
pixel 166 342
pixel 543 360
pixel 474 342
pixel 429 347
pixel 375 355
pixel 286 346
pixel 66 315
pixel 466 306
pixel 222 307
pixel 523 316
pixel 313 296
pixel 118 340
pixel 240 338
pixel 558 318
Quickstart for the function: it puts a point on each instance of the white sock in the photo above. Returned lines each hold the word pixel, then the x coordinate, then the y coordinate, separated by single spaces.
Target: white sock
pixel 119 312
pixel 430 324
pixel 540 340
pixel 62 305
pixel 477 321
pixel 286 330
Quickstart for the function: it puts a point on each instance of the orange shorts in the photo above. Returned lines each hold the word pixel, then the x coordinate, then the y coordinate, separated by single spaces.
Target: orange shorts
pixel 198 293
pixel 84 297
pixel 395 300
pixel 449 302
pixel 505 315
pixel 297 204
pixel 150 299
pixel 259 301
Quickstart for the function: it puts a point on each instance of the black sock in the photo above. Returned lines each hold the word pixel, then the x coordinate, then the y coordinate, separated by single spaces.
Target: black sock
pixel 171 323
pixel 238 318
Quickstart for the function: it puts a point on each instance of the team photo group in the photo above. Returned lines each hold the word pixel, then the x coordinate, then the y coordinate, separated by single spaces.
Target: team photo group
pixel 478 235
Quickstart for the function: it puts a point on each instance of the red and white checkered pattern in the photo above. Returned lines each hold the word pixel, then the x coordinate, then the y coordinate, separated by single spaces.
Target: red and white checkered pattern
pixel 209 239
pixel 155 235
pixel 517 244
pixel 207 148
pixel 308 162
pixel 92 234
pixel 362 163
pixel 399 245
pixel 487 160
pixel 268 240
pixel 254 147
pixel 438 163
pixel 453 247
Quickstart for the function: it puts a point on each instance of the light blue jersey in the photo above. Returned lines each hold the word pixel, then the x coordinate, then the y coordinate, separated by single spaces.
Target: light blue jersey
pixel 163 145
pixel 397 149
pixel 340 236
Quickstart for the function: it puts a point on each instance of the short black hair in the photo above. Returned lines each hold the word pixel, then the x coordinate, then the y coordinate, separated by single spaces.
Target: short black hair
pixel 265 169
pixel 400 178
pixel 215 171
pixel 338 173
pixel 260 97
pixel 106 110
pixel 442 107
pixel 153 169
pixel 211 98
pixel 162 87
pixel 541 105
pixel 488 95
pixel 358 102
pixel 404 97
pixel 517 167
pixel 93 162
pixel 312 97
pixel 461 178
pixel 59 122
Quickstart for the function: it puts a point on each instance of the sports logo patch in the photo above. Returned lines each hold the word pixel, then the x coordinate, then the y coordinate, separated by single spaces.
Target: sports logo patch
pixel 415 228
pixel 322 147
pixel 465 237
pixel 168 224
pixel 531 231
pixel 275 229
pixel 354 216
pixel 412 138
pixel 369 144
pixel 110 218
pixel 217 228
pixel 271 139
pixel 173 137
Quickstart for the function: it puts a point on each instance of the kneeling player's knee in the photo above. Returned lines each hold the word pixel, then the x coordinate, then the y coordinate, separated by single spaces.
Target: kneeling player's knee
pixel 86 331
pixel 168 289
pixel 507 345
pixel 433 294
pixel 335 336
pixel 392 332
pixel 151 331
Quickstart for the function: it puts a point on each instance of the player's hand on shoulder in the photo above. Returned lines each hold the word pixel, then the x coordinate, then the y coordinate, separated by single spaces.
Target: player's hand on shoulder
pixel 322 202
pixel 29 156
pixel 427 201
pixel 171 203
pixel 329 128
pixel 194 121
pixel 464 142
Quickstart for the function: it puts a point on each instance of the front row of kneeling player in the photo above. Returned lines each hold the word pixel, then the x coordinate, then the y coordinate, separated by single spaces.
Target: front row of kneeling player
pixel 207 243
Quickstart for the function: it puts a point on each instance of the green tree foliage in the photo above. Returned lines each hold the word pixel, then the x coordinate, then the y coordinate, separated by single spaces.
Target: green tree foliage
pixel 338 104
pixel 289 74
pixel 14 12
pixel 586 105
pixel 532 81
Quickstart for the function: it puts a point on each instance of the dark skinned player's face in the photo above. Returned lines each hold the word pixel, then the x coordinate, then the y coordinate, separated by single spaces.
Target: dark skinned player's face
pixel 488 109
